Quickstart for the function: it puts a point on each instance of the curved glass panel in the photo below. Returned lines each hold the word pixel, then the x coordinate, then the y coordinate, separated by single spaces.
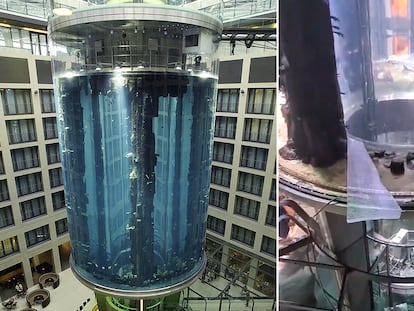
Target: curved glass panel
pixel 373 44
pixel 136 152
pixel 391 253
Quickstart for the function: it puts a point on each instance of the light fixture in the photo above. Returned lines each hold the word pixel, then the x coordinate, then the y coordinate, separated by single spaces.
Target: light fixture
pixel 62 11
pixel 197 61
pixel 69 74
pixel 29 29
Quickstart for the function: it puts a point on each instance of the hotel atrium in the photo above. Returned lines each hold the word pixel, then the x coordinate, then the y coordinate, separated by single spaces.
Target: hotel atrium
pixel 41 149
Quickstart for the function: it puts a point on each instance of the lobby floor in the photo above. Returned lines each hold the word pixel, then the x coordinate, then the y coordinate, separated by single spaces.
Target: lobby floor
pixel 71 294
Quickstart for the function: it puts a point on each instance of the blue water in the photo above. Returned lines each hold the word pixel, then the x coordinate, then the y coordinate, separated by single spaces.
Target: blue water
pixel 136 152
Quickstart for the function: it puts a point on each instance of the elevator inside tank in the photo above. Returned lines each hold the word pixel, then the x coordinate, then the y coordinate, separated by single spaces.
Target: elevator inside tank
pixel 135 96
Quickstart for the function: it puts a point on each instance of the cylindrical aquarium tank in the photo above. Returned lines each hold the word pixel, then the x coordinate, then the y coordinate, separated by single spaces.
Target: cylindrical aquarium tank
pixel 135 88
pixel 374 46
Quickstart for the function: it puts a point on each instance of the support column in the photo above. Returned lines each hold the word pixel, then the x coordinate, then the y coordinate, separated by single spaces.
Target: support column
pixel 224 259
pixel 28 276
pixel 254 263
pixel 56 259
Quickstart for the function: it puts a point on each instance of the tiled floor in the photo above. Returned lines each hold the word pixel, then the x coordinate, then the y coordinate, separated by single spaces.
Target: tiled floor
pixel 71 294
pixel 67 297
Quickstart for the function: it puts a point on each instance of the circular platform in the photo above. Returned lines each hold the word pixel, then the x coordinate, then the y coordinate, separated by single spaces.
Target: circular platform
pixel 49 279
pixel 331 182
pixel 38 297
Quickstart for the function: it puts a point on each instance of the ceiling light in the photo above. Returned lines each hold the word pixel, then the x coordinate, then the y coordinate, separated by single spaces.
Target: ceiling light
pixel 62 11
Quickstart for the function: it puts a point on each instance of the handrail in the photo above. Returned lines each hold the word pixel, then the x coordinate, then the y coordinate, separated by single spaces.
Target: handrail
pixel 229 9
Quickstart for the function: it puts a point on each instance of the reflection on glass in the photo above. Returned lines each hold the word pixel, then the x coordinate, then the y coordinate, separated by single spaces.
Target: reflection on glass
pixel 375 63
pixel 391 250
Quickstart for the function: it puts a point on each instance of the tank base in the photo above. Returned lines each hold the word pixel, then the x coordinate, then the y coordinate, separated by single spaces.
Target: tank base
pixel 144 294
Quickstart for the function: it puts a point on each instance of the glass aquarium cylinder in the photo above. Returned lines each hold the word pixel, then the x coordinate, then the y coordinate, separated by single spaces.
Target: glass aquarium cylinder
pixel 135 88
pixel 374 49
pixel 391 250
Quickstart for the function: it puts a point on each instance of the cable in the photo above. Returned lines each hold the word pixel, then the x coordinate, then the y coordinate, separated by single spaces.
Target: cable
pixel 324 206
pixel 315 274
pixel 371 276
pixel 329 294
pixel 316 278
pixel 342 292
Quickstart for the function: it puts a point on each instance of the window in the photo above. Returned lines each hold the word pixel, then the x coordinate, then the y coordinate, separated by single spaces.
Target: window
pixel 218 198
pixel 250 183
pixel 400 45
pixel 220 176
pixel 2 171
pixel 223 152
pixel 262 101
pixel 37 236
pixel 191 40
pixel 29 184
pixel 246 207
pixel 4 191
pixel 253 157
pixel 20 131
pixel 268 246
pixel 216 224
pixel 271 216
pixel 399 8
pixel 5 36
pixel 47 100
pixel 6 217
pixel 53 153
pixel 33 208
pixel 15 38
pixel 39 43
pixel 56 177
pixel 20 38
pixel 61 226
pixel 225 127
pixel 50 128
pixel 257 130
pixel 16 101
pixel 44 46
pixel 25 158
pixel 58 199
pixel 273 191
pixel 9 246
pixel 228 100
pixel 242 235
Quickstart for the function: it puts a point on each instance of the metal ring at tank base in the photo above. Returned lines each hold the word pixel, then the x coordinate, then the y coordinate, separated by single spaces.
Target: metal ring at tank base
pixel 139 294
